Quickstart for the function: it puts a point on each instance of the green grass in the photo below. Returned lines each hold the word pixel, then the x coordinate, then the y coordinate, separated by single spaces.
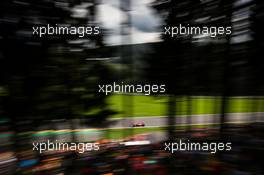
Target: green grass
pixel 157 106
pixel 123 133
pixel 142 105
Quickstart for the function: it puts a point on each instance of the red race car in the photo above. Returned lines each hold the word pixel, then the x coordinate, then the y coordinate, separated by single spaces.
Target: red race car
pixel 138 124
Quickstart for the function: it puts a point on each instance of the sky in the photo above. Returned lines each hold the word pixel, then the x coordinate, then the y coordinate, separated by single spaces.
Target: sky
pixel 144 25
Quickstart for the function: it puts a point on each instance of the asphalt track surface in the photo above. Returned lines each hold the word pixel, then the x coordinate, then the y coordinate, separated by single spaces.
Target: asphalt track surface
pixel 203 119
pixel 151 122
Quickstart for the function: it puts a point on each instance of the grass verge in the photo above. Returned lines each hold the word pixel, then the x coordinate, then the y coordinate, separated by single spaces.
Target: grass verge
pixel 143 106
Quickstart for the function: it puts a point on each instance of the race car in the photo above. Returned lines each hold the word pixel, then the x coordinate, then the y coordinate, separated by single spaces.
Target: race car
pixel 138 124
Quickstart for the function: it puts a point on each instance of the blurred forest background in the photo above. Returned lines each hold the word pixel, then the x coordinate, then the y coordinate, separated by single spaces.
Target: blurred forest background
pixel 44 81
